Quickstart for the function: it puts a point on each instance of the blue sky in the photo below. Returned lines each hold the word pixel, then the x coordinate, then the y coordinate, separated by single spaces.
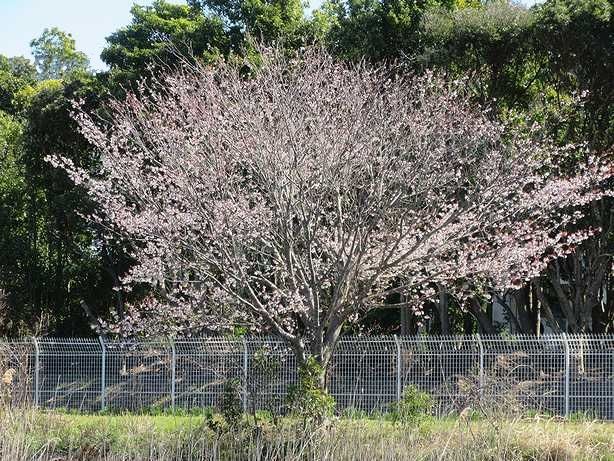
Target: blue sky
pixel 89 22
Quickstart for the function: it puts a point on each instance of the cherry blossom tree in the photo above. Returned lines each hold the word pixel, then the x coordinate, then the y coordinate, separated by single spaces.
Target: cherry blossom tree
pixel 295 195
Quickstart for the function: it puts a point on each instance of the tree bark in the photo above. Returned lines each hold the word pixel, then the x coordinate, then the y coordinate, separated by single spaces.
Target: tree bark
pixel 545 304
pixel 484 322
pixel 442 308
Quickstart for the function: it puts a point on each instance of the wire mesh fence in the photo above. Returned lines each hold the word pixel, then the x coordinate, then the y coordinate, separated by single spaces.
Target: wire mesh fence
pixel 559 374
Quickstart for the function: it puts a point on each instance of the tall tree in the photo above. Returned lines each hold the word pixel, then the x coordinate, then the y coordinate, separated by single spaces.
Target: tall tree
pixel 13 234
pixel 60 267
pixel 529 65
pixel 575 39
pixel 56 56
pixel 298 198
pixel 158 33
pixel 50 260
pixel 267 20
pixel 377 29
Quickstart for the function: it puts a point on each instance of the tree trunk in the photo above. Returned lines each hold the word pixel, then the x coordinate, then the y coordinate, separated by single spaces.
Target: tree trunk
pixel 578 279
pixel 545 305
pixel 525 317
pixel 405 328
pixel 484 321
pixel 442 309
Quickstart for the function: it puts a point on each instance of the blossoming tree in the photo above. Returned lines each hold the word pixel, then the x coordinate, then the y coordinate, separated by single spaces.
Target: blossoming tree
pixel 298 195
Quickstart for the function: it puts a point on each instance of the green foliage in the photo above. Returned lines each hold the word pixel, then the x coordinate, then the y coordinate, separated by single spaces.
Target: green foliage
pixel 161 34
pixel 232 407
pixel 10 136
pixel 552 64
pixel 16 73
pixel 56 56
pixel 375 29
pixel 491 44
pixel 20 67
pixel 414 406
pixel 265 20
pixel 265 373
pixel 238 332
pixel 158 34
pixel 26 99
pixel 13 235
pixel 48 261
pixel 575 39
pixel 308 398
pixel 266 365
pixel 62 267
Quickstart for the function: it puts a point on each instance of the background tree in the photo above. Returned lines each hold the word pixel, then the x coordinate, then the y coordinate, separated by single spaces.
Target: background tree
pixel 158 33
pixel 491 44
pixel 16 73
pixel 55 55
pixel 528 65
pixel 573 39
pixel 163 33
pixel 276 20
pixel 67 266
pixel 13 235
pixel 379 29
pixel 50 259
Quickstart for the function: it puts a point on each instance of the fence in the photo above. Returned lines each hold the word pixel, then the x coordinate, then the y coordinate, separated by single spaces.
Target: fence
pixel 559 374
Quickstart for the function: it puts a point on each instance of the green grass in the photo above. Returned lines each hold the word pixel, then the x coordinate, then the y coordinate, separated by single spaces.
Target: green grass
pixel 61 435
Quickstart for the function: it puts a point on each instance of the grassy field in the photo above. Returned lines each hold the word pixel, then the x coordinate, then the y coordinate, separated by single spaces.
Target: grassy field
pixel 57 436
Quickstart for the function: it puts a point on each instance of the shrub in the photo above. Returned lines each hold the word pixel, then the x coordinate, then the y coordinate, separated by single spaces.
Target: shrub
pixel 414 406
pixel 265 370
pixel 232 407
pixel 308 398
pixel 353 413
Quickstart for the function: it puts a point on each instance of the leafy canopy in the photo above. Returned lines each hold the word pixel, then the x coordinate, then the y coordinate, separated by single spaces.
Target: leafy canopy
pixel 56 56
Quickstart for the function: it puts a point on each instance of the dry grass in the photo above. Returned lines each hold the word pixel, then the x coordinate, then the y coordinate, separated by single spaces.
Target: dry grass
pixel 51 436
pixel 500 433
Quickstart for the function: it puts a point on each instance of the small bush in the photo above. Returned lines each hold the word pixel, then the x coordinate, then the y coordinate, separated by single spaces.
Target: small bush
pixel 232 407
pixel 413 407
pixel 353 413
pixel 583 416
pixel 219 424
pixel 307 398
pixel 265 370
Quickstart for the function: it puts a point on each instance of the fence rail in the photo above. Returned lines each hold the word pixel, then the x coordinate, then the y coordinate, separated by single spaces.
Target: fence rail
pixel 559 374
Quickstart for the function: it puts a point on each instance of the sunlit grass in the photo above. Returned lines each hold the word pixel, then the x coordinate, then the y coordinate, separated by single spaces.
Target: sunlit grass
pixel 31 434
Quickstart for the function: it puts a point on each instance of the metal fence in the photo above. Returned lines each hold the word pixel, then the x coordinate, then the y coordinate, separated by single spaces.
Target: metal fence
pixel 559 374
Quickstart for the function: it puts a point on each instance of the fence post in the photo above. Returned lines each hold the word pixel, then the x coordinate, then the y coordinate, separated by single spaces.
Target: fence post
pixel 173 372
pixel 245 363
pixel 397 341
pixel 103 373
pixel 480 364
pixel 36 371
pixel 567 366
